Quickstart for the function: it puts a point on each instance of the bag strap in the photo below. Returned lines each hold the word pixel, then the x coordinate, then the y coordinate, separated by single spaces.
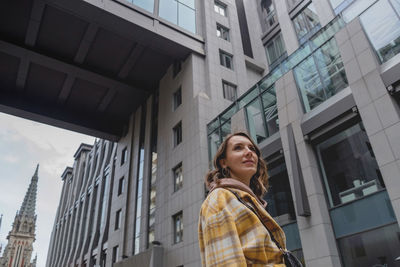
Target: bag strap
pixel 259 217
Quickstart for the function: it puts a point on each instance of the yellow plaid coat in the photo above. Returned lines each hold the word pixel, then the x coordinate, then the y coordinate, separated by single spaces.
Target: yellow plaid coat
pixel 230 234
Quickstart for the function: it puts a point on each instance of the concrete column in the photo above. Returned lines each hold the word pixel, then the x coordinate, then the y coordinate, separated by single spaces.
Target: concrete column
pixel 238 121
pixel 287 28
pixel 324 11
pixel 379 111
pixel 316 232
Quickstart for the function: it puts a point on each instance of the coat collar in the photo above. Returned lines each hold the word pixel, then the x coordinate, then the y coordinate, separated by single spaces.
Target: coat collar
pixel 233 183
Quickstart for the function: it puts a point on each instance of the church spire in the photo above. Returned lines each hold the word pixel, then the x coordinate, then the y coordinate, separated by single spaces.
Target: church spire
pixel 29 204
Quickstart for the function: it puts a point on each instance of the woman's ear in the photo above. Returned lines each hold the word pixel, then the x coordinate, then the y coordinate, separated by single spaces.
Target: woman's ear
pixel 222 163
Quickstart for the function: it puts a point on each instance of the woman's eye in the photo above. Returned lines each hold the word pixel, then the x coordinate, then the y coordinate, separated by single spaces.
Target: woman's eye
pixel 237 147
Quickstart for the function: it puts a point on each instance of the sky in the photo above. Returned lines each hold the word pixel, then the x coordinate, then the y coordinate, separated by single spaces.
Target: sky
pixel 23 145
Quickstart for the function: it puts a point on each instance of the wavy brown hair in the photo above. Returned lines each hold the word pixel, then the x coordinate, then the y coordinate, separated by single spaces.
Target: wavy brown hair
pixel 259 181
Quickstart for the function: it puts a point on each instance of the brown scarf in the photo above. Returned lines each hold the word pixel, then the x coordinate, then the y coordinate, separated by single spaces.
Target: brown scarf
pixel 233 183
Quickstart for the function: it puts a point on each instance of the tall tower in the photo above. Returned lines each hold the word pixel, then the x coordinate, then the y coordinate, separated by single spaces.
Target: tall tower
pixel 22 235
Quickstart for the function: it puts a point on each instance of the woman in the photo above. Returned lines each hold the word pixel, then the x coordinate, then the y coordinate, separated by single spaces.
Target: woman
pixel 234 227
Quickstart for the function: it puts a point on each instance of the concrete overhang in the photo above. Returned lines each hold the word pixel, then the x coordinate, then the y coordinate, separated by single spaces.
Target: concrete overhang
pixel 84 65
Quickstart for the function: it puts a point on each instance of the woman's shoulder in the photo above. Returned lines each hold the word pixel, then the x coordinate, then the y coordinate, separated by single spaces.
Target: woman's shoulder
pixel 217 199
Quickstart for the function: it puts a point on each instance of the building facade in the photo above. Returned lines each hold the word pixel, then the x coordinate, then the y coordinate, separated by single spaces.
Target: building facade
pixel 18 251
pixel 315 83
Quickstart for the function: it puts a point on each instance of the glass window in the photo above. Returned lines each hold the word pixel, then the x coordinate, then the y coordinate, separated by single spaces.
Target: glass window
pixel 340 5
pixel 379 248
pixel 275 50
pixel 145 4
pixel 178 177
pixel 186 17
pixel 178 227
pixel 229 91
pixel 355 9
pixel 321 75
pixel 177 98
pixel 268 15
pixel 306 23
pixel 179 12
pixel 222 32
pixel 213 143
pixel 270 110
pixel 382 25
pixel 220 8
pixel 124 155
pixel 177 134
pixel 118 219
pixel 279 196
pixel 349 168
pixel 226 59
pixel 121 185
pixel 255 121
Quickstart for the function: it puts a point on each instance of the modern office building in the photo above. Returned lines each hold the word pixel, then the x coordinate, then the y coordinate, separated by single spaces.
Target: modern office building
pixel 18 251
pixel 316 83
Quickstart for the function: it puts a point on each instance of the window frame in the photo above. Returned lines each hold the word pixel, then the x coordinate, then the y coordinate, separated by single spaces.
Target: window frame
pixel 218 6
pixel 224 32
pixel 178 233
pixel 279 58
pixel 118 217
pixel 177 98
pixel 226 59
pixel 177 186
pixel 121 186
pixel 177 133
pixel 124 155
pixel 230 85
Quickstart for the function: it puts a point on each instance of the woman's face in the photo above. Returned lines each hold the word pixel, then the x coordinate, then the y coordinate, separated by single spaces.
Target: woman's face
pixel 241 158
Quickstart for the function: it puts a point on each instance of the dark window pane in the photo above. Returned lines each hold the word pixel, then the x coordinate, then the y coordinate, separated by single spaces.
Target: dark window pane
pixel 378 247
pixel 348 167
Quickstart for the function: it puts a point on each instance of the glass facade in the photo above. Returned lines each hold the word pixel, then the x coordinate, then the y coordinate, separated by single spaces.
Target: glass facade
pixel 321 75
pixel 379 248
pixel 151 212
pixel 262 115
pixel 139 183
pixel 145 4
pixel 362 215
pixel 381 23
pixel 306 23
pixel 179 12
pixel 349 166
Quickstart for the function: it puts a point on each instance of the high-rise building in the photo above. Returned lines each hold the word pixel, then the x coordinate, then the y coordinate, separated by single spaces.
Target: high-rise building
pixel 315 83
pixel 18 250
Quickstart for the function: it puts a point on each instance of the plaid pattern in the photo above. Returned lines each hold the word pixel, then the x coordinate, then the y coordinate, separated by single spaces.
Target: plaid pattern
pixel 232 235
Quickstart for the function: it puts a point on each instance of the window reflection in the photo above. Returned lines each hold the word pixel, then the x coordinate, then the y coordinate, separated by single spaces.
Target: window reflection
pixel 382 25
pixel 306 23
pixel 279 196
pixel 349 166
pixel 378 248
pixel 268 15
pixel 179 12
pixel 276 51
pixel 321 75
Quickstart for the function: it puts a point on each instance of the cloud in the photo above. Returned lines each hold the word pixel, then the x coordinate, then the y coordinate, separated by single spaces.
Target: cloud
pixel 10 158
